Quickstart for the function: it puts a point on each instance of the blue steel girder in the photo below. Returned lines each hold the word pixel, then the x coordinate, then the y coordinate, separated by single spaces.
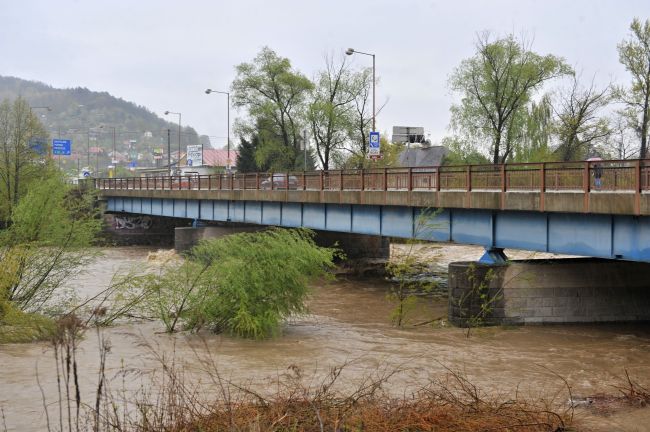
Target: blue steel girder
pixel 606 236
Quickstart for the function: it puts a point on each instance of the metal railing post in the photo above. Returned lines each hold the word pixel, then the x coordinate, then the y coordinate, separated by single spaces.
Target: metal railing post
pixel 637 188
pixel 586 186
pixel 504 184
pixel 409 180
pixel 542 187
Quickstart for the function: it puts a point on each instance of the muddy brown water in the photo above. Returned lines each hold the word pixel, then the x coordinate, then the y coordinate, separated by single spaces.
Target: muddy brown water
pixel 348 323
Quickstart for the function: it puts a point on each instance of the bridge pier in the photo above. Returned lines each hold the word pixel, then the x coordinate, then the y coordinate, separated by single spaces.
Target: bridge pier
pixel 355 246
pixel 363 252
pixel 548 291
pixel 187 237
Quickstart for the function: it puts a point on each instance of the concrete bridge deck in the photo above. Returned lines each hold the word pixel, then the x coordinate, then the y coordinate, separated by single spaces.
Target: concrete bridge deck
pixel 544 187
pixel 550 207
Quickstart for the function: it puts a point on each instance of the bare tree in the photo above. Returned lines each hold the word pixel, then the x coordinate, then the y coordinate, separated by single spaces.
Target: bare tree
pixel 359 128
pixel 621 141
pixel 578 125
pixel 331 109
pixel 634 54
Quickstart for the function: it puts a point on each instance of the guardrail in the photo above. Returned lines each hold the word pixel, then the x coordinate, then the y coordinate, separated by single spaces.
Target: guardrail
pixel 615 176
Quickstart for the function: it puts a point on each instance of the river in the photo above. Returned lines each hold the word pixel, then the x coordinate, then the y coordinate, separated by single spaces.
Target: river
pixel 348 322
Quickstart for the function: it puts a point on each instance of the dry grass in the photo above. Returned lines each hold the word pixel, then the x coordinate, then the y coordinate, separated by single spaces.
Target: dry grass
pixel 329 403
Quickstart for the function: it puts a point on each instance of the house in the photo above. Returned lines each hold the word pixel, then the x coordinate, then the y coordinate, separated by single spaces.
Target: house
pixel 218 158
pixel 424 156
pixel 214 161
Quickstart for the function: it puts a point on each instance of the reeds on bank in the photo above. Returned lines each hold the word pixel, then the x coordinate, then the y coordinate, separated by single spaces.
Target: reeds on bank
pixel 293 401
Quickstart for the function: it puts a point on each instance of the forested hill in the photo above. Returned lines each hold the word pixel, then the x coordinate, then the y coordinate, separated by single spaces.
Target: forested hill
pixel 75 110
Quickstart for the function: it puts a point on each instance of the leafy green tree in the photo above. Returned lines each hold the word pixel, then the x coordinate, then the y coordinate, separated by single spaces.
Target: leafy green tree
pixel 579 128
pixel 245 284
pixel 462 152
pixel 390 157
pixel 634 54
pixel 496 84
pixel 47 242
pixel 19 163
pixel 274 93
pixel 246 157
pixel 534 144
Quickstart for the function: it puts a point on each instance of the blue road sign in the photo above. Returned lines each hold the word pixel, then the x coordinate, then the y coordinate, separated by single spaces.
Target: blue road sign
pixel 374 148
pixel 374 139
pixel 61 147
pixel 38 146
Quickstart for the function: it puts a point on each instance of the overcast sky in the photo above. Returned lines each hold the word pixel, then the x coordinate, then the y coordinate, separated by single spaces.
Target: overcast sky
pixel 164 54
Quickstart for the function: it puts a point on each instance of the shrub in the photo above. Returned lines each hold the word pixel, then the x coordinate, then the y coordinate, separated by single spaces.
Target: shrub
pixel 245 284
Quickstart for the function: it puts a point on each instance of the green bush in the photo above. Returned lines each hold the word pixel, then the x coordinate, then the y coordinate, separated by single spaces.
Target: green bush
pixel 245 284
pixel 17 326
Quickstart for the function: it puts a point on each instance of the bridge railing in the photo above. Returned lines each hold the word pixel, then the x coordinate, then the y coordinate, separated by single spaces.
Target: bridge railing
pixel 614 175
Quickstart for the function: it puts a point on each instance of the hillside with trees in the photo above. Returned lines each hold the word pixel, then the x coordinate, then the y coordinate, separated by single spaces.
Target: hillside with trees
pixel 88 118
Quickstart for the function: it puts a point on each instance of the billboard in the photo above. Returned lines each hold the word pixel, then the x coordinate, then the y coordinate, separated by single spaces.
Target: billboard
pixel 194 155
pixel 408 134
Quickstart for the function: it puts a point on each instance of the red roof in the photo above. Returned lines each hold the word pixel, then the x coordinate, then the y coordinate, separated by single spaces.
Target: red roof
pixel 219 157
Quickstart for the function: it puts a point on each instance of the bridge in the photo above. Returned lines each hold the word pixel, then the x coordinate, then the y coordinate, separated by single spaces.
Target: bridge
pixel 557 207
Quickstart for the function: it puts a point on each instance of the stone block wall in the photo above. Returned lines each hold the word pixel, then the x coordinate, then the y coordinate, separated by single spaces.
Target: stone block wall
pixel 550 291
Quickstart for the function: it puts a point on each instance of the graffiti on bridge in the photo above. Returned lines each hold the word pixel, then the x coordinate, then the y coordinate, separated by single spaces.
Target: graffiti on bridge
pixel 132 222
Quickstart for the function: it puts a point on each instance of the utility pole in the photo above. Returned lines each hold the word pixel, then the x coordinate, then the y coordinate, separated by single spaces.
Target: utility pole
pixel 88 149
pixel 169 151
pixel 114 157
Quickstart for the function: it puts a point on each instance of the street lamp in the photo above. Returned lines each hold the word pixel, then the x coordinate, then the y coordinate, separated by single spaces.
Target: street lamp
pixel 208 91
pixel 351 51
pixel 114 151
pixel 179 135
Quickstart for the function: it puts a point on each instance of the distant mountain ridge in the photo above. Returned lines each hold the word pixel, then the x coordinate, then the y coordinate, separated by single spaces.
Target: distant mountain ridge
pixel 75 110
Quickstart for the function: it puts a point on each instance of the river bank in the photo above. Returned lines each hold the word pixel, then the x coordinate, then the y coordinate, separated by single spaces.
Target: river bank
pixel 348 322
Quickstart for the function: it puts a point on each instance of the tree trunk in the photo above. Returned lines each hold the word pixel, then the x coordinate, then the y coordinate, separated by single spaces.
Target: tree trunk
pixel 497 147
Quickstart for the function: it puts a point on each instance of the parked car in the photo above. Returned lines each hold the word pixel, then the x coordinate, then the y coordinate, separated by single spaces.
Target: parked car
pixel 280 182
pixel 186 181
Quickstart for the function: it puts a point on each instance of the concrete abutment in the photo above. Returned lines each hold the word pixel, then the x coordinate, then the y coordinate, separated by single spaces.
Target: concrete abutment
pixel 355 246
pixel 576 290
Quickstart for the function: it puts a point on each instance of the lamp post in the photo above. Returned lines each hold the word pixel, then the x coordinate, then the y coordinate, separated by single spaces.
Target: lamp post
pixel 179 135
pixel 208 91
pixel 351 51
pixel 113 128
